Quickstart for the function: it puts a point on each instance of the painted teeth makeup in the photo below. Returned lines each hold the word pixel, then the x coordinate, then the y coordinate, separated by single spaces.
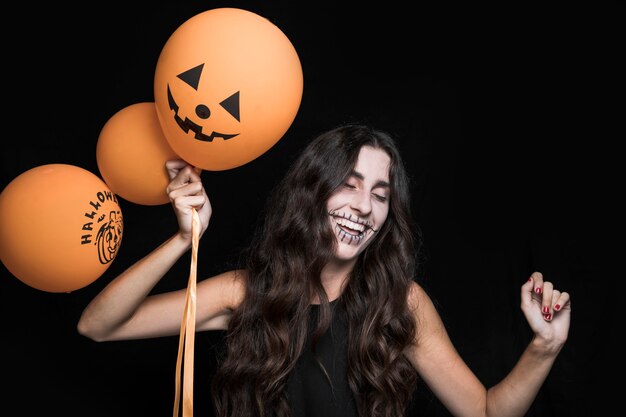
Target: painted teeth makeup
pixel 347 237
pixel 349 228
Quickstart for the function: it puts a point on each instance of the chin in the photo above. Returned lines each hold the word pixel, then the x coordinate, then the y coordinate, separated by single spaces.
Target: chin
pixel 347 253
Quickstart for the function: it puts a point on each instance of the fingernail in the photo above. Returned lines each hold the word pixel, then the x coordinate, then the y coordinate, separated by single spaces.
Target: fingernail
pixel 538 290
pixel 557 307
pixel 547 316
pixel 546 310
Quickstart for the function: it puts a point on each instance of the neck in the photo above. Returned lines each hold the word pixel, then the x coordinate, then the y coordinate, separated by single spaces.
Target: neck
pixel 334 279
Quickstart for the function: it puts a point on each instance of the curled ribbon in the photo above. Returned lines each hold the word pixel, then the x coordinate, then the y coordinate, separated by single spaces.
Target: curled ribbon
pixel 188 329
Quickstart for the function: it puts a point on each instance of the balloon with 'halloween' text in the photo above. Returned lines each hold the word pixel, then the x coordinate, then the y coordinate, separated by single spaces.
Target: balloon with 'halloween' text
pixel 60 227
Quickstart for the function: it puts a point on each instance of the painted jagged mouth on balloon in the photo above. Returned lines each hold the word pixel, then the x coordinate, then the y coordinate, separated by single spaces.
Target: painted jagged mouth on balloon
pixel 186 125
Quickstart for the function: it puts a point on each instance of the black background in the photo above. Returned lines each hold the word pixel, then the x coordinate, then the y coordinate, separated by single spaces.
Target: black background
pixel 501 113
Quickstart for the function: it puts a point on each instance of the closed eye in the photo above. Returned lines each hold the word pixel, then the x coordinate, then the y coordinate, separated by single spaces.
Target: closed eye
pixel 380 198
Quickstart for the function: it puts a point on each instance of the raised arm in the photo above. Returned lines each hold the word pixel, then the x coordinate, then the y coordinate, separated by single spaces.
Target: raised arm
pixel 438 363
pixel 125 310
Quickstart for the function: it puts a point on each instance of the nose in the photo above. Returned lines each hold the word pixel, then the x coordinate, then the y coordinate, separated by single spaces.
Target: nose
pixel 361 202
pixel 203 111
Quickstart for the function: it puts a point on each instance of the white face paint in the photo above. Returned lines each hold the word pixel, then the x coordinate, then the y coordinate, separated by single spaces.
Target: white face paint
pixel 359 208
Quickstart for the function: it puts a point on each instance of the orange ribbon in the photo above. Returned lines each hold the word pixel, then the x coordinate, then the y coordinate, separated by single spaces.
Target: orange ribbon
pixel 188 329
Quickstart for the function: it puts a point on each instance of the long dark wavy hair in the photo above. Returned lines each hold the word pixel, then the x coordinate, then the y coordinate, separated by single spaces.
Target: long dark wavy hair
pixel 268 331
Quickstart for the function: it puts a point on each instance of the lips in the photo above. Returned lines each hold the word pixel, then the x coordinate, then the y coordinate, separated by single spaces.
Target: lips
pixel 349 228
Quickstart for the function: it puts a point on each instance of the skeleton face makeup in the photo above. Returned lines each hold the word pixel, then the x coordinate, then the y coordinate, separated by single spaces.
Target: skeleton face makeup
pixel 360 206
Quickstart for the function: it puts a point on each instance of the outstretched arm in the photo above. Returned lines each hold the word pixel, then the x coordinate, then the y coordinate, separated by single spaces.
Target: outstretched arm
pixel 124 309
pixel 548 313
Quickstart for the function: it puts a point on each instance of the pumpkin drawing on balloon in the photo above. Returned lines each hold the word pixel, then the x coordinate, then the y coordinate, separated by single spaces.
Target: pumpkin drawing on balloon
pixel 109 237
pixel 228 84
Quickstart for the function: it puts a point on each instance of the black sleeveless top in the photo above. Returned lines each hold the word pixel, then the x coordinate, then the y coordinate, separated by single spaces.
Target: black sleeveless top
pixel 308 390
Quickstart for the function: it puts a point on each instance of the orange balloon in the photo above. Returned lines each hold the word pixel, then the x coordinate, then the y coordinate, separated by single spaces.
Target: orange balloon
pixel 228 85
pixel 131 154
pixel 60 227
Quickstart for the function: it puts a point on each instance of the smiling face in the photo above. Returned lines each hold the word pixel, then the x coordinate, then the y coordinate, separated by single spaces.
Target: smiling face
pixel 228 85
pixel 359 208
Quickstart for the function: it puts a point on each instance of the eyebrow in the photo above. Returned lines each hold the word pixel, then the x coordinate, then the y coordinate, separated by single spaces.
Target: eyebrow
pixel 379 183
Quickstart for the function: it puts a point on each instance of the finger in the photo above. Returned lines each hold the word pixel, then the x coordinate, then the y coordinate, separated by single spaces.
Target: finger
pixel 527 291
pixel 546 300
pixel 173 166
pixel 195 201
pixel 189 189
pixel 556 294
pixel 184 176
pixel 537 278
pixel 562 302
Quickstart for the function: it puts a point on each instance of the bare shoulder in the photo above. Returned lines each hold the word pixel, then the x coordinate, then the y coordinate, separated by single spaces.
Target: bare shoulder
pixel 417 297
pixel 235 281
pixel 217 298
pixel 228 287
pixel 424 311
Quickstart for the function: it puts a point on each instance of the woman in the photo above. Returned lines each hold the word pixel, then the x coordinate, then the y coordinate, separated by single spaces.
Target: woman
pixel 325 316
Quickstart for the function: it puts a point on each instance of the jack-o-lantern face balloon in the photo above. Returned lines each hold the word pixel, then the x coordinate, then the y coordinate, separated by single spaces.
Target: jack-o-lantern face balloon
pixel 228 85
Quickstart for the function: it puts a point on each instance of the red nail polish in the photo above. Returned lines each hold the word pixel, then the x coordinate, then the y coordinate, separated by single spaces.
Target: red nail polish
pixel 557 307
pixel 538 290
pixel 547 316
pixel 546 310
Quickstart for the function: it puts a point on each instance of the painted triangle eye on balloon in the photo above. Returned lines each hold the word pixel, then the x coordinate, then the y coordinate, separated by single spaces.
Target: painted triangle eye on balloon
pixel 192 76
